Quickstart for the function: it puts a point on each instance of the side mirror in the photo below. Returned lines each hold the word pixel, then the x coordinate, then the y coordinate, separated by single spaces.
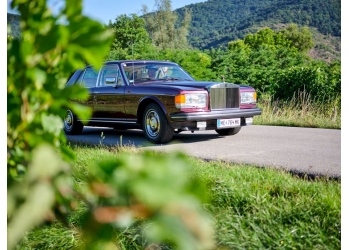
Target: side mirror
pixel 110 80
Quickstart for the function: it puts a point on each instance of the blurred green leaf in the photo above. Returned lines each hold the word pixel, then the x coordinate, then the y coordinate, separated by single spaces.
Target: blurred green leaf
pixel 157 189
pixel 52 124
pixel 83 112
pixel 34 195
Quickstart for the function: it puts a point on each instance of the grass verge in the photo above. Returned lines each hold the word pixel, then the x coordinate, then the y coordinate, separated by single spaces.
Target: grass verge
pixel 300 111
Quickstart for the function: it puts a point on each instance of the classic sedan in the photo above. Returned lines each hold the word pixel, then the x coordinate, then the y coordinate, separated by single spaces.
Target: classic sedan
pixel 160 98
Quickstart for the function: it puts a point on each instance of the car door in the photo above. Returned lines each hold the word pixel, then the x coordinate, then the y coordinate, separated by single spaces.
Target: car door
pixel 108 96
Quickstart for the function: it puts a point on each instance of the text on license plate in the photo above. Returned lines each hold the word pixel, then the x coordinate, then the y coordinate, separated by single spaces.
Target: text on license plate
pixel 228 123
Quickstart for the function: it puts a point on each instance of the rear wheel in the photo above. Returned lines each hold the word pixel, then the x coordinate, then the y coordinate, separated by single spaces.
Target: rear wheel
pixel 228 131
pixel 71 125
pixel 155 125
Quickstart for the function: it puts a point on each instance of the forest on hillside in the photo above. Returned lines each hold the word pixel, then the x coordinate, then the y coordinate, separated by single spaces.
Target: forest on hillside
pixel 216 22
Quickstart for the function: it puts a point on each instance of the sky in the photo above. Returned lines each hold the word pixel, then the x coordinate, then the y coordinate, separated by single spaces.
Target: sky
pixel 105 10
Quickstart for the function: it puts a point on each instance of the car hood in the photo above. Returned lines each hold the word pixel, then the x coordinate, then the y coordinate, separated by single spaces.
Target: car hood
pixel 194 84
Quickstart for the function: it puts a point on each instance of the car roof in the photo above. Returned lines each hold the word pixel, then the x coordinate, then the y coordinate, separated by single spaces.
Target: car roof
pixel 138 61
pixel 134 61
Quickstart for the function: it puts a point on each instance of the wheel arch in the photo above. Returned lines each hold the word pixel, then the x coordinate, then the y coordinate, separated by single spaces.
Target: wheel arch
pixel 145 101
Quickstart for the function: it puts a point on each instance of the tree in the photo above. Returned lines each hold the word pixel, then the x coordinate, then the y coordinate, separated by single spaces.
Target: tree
pixel 130 37
pixel 275 63
pixel 266 37
pixel 259 59
pixel 300 38
pixel 195 62
pixel 161 25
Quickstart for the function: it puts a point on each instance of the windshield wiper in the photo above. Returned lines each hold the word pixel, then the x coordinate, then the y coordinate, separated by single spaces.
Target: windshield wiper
pixel 171 79
pixel 149 79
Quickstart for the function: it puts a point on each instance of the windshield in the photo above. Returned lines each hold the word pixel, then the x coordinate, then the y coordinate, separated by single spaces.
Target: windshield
pixel 154 71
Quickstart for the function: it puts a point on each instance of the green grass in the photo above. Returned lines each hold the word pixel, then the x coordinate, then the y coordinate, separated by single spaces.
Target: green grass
pixel 252 208
pixel 261 208
pixel 300 111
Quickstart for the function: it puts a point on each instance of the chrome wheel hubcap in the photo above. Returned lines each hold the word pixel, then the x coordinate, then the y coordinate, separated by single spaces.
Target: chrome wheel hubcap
pixel 68 121
pixel 152 123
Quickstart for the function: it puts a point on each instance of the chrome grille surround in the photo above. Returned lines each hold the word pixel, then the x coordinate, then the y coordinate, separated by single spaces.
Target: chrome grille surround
pixel 224 96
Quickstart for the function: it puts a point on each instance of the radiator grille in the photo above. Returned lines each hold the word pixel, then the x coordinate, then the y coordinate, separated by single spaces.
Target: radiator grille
pixel 221 98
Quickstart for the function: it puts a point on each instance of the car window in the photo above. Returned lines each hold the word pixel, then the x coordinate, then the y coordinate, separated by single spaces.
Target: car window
pixel 88 78
pixel 151 71
pixel 110 76
pixel 136 73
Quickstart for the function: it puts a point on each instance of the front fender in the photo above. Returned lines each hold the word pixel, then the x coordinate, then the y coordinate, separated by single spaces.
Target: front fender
pixel 166 103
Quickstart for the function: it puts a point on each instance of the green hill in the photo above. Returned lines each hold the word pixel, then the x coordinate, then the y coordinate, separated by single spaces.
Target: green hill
pixel 217 22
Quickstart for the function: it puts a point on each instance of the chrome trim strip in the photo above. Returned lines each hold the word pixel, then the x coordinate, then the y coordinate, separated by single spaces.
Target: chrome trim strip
pixel 109 121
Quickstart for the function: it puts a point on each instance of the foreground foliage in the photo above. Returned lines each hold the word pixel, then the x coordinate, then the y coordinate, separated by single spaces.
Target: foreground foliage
pixel 252 208
pixel 138 199
pixel 39 180
pixel 38 65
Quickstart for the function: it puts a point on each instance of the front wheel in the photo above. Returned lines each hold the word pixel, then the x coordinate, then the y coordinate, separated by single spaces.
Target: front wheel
pixel 228 131
pixel 71 125
pixel 155 125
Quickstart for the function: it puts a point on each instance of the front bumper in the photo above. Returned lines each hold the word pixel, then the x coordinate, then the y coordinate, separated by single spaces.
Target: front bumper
pixel 191 121
pixel 215 114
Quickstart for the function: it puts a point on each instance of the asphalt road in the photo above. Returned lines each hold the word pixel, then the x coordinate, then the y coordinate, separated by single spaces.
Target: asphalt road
pixel 300 150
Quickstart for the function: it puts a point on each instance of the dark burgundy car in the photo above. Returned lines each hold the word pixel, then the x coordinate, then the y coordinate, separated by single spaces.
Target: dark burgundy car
pixel 160 98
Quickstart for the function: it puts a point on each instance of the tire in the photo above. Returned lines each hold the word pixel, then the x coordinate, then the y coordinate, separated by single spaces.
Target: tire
pixel 155 125
pixel 228 131
pixel 71 125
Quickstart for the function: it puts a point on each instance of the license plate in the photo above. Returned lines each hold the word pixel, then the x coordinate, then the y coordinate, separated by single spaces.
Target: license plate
pixel 228 123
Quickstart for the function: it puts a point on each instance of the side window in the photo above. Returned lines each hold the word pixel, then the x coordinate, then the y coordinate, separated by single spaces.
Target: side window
pixel 88 78
pixel 110 76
